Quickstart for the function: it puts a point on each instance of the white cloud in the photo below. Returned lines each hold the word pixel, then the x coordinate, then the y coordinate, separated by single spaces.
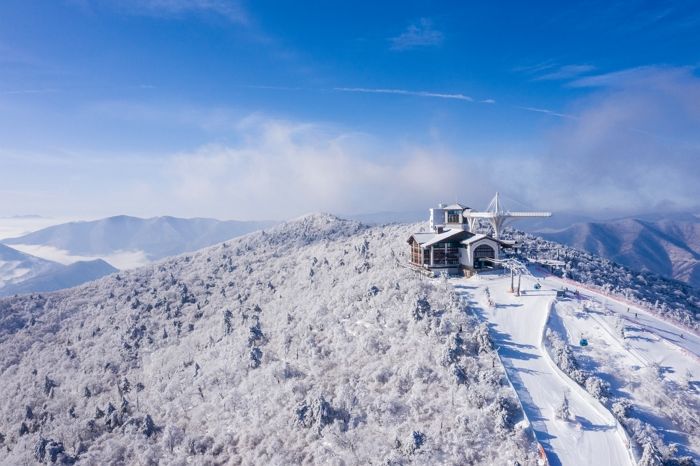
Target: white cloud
pixel 407 92
pixel 123 260
pixel 639 77
pixel 633 146
pixel 284 169
pixel 547 112
pixel 27 91
pixel 229 9
pixel 14 226
pixel 420 34
pixel 565 72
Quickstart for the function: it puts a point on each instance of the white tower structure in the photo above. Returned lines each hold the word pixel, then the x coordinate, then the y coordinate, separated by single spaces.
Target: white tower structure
pixel 498 216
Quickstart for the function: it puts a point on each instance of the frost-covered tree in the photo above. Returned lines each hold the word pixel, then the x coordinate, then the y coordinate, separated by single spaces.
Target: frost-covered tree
pixel 563 412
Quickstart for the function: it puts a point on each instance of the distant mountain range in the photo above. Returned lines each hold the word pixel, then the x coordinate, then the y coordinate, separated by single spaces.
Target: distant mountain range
pixel 24 273
pixel 156 237
pixel 14 265
pixel 70 254
pixel 667 246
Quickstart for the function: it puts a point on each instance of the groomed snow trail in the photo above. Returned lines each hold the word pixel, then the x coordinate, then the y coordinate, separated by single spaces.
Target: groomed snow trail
pixel 516 325
pixel 668 331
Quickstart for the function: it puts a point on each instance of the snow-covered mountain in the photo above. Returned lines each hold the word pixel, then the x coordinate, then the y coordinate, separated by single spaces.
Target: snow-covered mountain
pixel 126 242
pixel 308 343
pixel 385 218
pixel 61 276
pixel 16 266
pixel 670 246
pixel 23 273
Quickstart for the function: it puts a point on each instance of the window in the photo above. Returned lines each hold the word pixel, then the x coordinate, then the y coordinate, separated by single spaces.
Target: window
pixel 453 216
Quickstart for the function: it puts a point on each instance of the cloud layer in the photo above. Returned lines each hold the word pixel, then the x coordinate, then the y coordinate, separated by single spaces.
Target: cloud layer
pixel 634 144
pixel 284 169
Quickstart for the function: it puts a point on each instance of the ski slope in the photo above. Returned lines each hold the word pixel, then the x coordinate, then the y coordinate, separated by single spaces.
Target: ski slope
pixel 516 326
pixel 643 358
pixel 674 335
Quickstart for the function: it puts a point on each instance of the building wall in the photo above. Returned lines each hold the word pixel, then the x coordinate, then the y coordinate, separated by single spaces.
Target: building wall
pixel 464 257
pixel 437 218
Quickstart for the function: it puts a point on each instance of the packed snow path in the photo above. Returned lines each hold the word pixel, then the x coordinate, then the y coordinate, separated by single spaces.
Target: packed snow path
pixel 516 325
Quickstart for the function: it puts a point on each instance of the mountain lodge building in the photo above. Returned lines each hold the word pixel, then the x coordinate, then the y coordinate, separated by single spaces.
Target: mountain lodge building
pixel 450 246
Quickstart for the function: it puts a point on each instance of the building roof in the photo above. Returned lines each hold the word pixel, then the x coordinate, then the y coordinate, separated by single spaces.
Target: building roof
pixel 481 236
pixel 446 235
pixel 422 237
pixel 455 206
pixel 427 239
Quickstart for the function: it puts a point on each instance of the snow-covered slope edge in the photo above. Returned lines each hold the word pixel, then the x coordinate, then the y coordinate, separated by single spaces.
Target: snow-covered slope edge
pixel 597 404
pixel 667 298
pixel 307 343
pixel 657 405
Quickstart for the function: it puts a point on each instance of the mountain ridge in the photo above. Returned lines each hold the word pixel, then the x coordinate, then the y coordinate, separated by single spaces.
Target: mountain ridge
pixel 158 237
pixel 669 247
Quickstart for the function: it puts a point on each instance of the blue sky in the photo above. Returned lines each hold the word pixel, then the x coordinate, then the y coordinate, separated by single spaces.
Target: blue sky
pixel 217 107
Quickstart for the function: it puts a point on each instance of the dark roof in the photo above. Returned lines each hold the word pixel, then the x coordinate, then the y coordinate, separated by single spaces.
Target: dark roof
pixel 428 239
pixel 480 236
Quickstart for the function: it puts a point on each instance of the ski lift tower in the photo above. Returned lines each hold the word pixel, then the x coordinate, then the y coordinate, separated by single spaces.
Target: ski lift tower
pixel 516 268
pixel 497 216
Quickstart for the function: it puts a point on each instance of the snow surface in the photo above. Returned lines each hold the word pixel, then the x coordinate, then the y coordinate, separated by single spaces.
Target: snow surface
pixel 671 299
pixel 642 357
pixel 516 326
pixel 307 343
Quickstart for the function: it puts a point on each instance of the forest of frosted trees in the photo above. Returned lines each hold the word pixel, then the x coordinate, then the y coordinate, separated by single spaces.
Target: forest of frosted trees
pixel 308 343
